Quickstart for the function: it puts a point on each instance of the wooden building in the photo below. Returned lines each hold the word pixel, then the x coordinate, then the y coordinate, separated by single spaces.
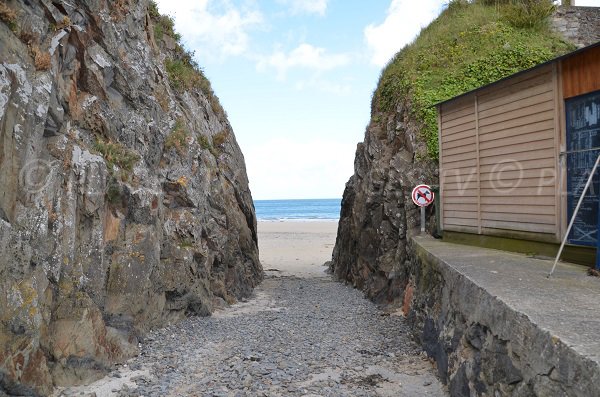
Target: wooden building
pixel 514 156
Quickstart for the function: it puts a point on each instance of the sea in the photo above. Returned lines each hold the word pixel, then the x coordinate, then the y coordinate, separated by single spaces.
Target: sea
pixel 298 210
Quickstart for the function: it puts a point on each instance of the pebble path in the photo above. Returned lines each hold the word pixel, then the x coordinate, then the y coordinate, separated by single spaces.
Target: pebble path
pixel 295 337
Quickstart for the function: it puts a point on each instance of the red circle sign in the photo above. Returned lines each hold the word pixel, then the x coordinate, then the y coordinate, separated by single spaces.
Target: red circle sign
pixel 422 195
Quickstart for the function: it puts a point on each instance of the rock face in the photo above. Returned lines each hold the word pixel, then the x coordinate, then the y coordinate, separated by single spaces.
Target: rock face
pixel 579 25
pixel 377 210
pixel 124 200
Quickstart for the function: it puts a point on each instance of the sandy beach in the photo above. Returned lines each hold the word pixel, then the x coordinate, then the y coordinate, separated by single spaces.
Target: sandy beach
pixel 298 248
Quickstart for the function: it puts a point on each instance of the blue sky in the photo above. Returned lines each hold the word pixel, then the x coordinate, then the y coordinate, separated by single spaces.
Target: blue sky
pixel 296 78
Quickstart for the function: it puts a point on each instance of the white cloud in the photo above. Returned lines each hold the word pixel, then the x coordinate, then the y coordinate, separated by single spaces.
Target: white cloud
pixel 324 85
pixel 305 56
pixel 404 20
pixel 214 33
pixel 295 168
pixel 318 7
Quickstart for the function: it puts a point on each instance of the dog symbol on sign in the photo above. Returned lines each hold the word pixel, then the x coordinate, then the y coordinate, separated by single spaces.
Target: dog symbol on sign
pixel 422 195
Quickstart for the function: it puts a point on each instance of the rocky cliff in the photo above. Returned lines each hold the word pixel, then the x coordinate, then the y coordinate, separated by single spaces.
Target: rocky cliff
pixel 377 210
pixel 124 200
pixel 469 45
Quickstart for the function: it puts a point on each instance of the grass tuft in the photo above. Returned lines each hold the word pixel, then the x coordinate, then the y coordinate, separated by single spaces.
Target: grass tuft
pixel 8 16
pixel 178 138
pixel 116 154
pixel 220 138
pixel 41 59
pixel 183 71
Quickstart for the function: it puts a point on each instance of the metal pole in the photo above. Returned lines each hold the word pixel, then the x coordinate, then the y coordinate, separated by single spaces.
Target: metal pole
pixel 422 220
pixel 585 189
pixel 598 239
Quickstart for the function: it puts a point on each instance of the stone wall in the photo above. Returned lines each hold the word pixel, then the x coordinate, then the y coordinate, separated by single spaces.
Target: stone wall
pixel 481 344
pixel 580 25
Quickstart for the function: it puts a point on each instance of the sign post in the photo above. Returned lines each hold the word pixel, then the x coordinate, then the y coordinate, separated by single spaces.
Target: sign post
pixel 422 195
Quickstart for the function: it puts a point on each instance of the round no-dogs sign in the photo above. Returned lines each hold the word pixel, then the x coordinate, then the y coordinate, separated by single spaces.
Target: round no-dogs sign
pixel 422 195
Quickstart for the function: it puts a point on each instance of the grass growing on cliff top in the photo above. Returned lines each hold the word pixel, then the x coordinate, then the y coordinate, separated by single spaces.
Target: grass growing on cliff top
pixel 467 46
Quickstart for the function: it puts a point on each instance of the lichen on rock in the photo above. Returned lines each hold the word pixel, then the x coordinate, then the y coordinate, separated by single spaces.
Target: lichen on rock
pixel 106 229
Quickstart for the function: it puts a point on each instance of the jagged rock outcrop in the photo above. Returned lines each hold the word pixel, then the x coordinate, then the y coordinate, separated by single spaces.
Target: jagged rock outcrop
pixel 124 200
pixel 377 210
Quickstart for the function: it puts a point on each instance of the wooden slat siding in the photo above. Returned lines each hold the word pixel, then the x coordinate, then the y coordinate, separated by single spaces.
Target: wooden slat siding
pixel 542 144
pixel 457 164
pixel 526 164
pixel 517 113
pixel 470 140
pixel 458 136
pixel 541 219
pixel 522 85
pixel 450 109
pixel 478 163
pixel 449 158
pixel 524 182
pixel 464 229
pixel 516 134
pixel 458 206
pixel 518 139
pixel 545 125
pixel 456 190
pixel 460 177
pixel 466 117
pixel 512 209
pixel 466 148
pixel 502 160
pixel 510 192
pixel 461 214
pixel 460 187
pixel 461 193
pixel 519 104
pixel 439 201
pixel 449 222
pixel 460 200
pixel 517 96
pixel 520 200
pixel 519 122
pixel 448 118
pixel 462 124
pixel 581 73
pixel 542 174
pixel 520 226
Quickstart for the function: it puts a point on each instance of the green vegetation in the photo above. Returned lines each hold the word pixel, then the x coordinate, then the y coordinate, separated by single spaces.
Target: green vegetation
pixel 220 138
pixel 183 71
pixel 116 154
pixel 164 25
pixel 467 46
pixel 178 137
pixel 204 142
pixel 8 16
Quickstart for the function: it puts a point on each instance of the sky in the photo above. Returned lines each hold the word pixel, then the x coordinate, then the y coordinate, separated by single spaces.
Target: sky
pixel 296 78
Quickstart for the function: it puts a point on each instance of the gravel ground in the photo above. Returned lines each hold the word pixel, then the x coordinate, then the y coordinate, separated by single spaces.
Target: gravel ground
pixel 295 337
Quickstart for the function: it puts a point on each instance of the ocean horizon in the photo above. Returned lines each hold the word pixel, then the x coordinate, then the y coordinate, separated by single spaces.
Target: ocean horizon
pixel 298 209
